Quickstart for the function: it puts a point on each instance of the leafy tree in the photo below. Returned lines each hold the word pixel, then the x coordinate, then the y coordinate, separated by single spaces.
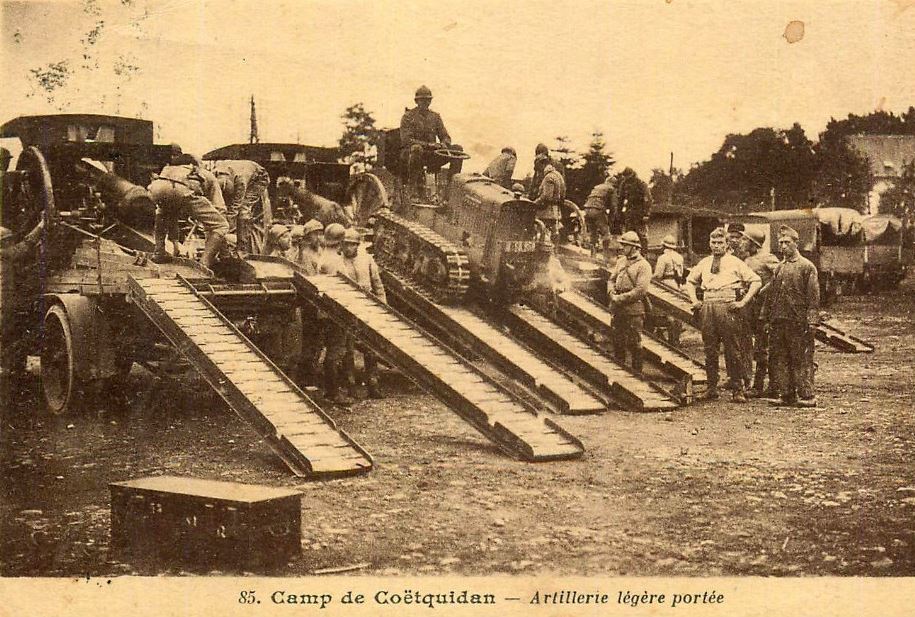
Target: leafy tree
pixel 53 79
pixel 662 184
pixel 843 176
pixel 596 164
pixel 358 144
pixel 899 199
pixel 568 158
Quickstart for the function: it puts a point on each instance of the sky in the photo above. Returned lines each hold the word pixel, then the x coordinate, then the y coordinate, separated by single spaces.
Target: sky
pixel 655 76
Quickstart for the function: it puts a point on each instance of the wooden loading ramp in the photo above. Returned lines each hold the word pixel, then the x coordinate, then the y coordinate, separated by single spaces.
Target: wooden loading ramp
pixel 474 335
pixel 496 413
pixel 293 425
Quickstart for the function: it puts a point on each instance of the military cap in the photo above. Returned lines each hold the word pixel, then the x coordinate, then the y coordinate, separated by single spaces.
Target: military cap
pixel 756 236
pixel 333 234
pixel 509 150
pixel 669 242
pixel 631 238
pixel 312 226
pixel 298 232
pixel 784 230
pixel 277 230
pixel 541 149
pixel 352 236
pixel 423 92
pixel 736 228
pixel 517 187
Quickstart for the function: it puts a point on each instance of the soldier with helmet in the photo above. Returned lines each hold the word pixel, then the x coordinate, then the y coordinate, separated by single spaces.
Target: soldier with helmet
pixel 627 289
pixel 764 265
pixel 308 253
pixel 184 187
pixel 361 268
pixel 334 335
pixel 598 206
pixel 422 131
pixel 551 194
pixel 669 271
pixel 278 242
pixel 502 167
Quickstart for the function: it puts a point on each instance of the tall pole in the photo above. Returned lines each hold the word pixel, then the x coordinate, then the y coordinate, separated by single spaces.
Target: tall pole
pixel 253 138
pixel 670 172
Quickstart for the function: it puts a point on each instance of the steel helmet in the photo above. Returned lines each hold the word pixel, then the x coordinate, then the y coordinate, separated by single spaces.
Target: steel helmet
pixel 669 242
pixel 298 232
pixel 541 149
pixel 423 92
pixel 312 226
pixel 352 236
pixel 631 238
pixel 756 236
pixel 333 234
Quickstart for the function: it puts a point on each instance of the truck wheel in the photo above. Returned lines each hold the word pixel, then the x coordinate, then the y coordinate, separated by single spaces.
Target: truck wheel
pixel 59 381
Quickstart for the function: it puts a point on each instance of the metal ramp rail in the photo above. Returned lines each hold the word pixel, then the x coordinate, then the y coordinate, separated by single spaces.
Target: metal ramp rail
pixel 596 368
pixel 674 362
pixel 512 425
pixel 475 336
pixel 677 304
pixel 293 425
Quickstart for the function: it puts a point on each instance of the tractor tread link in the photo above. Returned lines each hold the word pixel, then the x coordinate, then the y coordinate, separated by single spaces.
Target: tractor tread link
pixel 390 226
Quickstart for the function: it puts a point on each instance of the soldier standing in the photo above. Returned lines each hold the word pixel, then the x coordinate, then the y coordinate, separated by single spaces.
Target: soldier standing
pixel 669 271
pixel 537 178
pixel 792 310
pixel 502 167
pixel 764 265
pixel 361 268
pixel 598 206
pixel 634 205
pixel 626 290
pixel 308 256
pixel 334 335
pixel 185 188
pixel 422 131
pixel 551 194
pixel 721 277
pixel 244 185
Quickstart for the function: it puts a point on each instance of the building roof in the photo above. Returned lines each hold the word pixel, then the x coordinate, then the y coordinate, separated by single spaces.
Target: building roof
pixel 687 211
pixel 887 154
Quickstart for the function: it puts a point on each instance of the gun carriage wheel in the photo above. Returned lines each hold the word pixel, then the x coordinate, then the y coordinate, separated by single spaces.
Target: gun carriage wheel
pixel 59 378
pixel 34 199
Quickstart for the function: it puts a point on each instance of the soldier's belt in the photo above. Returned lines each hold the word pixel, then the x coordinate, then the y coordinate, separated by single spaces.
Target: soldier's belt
pixel 719 295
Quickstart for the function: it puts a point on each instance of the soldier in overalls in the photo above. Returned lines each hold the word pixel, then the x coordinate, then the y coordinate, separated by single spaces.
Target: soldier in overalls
pixel 244 186
pixel 185 188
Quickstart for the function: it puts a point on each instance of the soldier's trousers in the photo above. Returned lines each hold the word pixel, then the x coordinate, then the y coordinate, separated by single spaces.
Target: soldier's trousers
pixel 720 327
pixel 627 338
pixel 312 345
pixel 335 352
pixel 598 226
pixel 791 354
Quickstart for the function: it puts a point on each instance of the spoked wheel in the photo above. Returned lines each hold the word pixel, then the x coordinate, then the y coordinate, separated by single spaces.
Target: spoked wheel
pixel 34 200
pixel 366 195
pixel 59 381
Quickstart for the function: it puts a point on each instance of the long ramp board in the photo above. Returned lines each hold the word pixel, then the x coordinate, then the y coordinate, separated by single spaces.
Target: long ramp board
pixel 598 369
pixel 472 334
pixel 294 427
pixel 490 409
pixel 676 303
pixel 672 361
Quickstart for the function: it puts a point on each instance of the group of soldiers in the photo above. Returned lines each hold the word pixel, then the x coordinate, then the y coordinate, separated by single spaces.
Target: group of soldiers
pixel 762 310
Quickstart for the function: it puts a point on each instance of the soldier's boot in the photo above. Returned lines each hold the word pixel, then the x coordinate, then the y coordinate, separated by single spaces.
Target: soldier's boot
pixel 242 239
pixel 160 229
pixel 211 249
pixel 759 380
pixel 637 361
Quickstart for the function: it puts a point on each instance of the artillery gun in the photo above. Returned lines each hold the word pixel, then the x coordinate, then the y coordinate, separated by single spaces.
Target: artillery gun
pixel 465 231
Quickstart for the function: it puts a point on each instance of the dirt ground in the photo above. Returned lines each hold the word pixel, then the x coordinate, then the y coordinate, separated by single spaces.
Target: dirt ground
pixel 712 489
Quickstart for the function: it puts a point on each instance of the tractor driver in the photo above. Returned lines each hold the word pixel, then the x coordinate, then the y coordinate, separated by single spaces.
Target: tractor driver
pixel 422 131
